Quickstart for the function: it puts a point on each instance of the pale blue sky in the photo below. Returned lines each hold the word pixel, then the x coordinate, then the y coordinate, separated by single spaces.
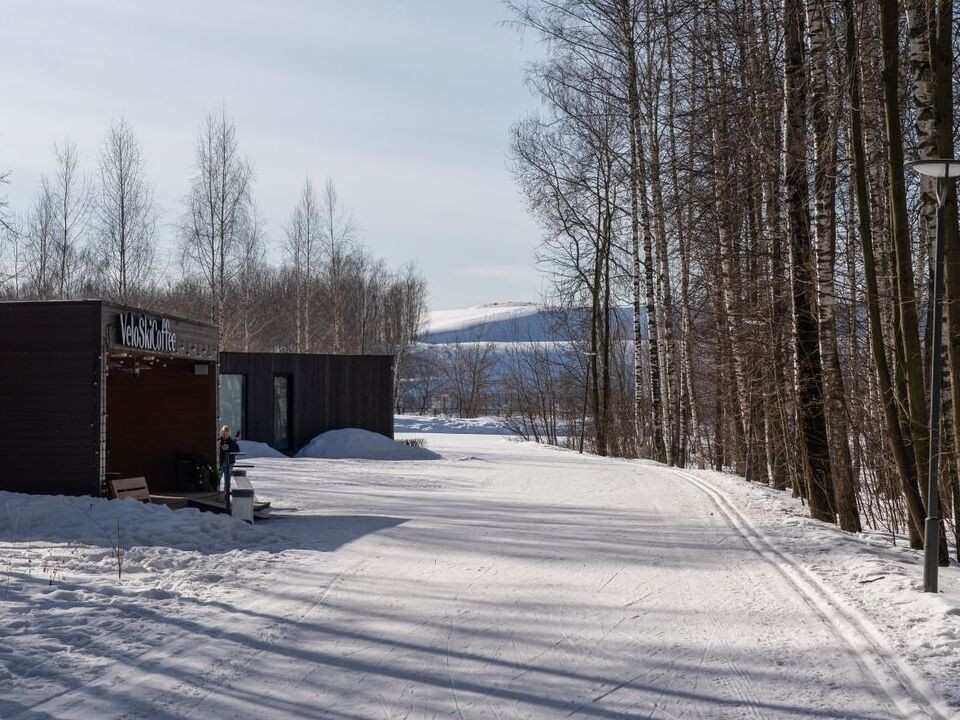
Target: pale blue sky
pixel 405 103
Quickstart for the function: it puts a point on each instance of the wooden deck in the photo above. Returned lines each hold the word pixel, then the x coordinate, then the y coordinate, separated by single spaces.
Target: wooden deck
pixel 206 501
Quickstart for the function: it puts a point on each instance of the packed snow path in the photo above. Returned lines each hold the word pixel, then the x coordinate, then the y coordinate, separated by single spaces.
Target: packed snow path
pixel 504 581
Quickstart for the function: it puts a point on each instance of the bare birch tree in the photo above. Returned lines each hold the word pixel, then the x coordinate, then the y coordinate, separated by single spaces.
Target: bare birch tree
pixel 72 197
pixel 302 254
pixel 337 237
pixel 252 275
pixel 126 221
pixel 218 200
pixel 39 243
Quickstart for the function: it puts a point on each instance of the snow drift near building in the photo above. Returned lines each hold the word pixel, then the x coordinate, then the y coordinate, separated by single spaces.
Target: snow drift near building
pixel 355 444
pixel 90 521
pixel 252 449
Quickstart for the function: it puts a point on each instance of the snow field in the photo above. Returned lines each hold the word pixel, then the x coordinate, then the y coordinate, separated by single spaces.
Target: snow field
pixel 414 425
pixel 505 580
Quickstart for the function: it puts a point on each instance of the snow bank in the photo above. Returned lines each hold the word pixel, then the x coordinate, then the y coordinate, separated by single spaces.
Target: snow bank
pixel 352 443
pixel 450 425
pixel 94 521
pixel 253 449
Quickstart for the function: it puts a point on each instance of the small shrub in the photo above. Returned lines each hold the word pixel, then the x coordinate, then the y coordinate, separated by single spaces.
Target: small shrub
pixel 119 551
pixel 207 478
pixel 414 442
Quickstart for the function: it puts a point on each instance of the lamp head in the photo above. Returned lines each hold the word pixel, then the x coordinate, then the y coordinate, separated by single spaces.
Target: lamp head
pixel 936 167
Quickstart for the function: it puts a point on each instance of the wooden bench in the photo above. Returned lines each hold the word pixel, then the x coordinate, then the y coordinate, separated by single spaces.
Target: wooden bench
pixel 131 487
pixel 137 488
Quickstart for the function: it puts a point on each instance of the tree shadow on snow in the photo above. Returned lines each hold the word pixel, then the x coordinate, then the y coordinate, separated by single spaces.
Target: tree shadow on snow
pixel 203 532
pixel 326 533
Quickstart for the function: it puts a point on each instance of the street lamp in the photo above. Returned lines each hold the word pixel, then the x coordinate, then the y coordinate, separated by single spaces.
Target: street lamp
pixel 944 170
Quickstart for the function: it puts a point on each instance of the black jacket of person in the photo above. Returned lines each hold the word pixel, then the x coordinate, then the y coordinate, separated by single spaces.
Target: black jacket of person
pixel 227 445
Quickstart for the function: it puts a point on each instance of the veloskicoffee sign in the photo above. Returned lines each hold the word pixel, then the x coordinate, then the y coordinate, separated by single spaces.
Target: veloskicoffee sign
pixel 146 333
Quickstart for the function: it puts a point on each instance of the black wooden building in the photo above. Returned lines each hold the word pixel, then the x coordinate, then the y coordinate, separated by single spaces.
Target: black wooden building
pixel 88 389
pixel 287 399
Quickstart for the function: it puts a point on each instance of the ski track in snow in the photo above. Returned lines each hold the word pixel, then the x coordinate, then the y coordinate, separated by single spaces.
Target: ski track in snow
pixel 912 694
pixel 507 580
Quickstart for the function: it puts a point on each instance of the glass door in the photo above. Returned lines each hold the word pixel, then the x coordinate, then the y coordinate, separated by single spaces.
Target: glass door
pixel 282 408
pixel 233 401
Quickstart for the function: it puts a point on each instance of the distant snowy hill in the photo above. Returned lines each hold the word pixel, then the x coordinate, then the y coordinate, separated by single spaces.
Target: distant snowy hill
pixel 496 322
pixel 470 355
pixel 508 322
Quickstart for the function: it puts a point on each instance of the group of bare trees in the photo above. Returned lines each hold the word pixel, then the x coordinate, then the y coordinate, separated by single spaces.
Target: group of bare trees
pixel 734 171
pixel 98 235
pixel 536 376
pixel 83 232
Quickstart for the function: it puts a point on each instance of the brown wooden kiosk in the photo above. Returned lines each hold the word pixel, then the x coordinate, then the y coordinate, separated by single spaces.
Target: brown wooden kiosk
pixel 90 389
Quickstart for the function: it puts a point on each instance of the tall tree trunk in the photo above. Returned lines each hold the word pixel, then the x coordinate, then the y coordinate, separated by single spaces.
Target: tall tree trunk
pixel 640 215
pixel 942 60
pixel 809 381
pixel 906 467
pixel 670 389
pixel 900 235
pixel 671 395
pixel 825 152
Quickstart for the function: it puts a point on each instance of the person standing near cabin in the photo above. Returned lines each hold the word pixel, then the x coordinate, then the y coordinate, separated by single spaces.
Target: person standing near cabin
pixel 227 445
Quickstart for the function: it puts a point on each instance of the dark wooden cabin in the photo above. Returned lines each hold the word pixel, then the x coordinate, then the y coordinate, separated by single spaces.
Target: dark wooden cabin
pixel 287 399
pixel 89 389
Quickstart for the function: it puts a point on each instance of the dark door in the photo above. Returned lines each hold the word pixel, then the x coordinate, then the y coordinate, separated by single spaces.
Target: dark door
pixel 282 412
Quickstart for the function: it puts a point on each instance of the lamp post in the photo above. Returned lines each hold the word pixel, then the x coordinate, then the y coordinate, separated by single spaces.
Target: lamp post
pixel 944 170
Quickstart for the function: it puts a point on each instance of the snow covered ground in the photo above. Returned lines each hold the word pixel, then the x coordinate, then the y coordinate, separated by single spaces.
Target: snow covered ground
pixel 505 580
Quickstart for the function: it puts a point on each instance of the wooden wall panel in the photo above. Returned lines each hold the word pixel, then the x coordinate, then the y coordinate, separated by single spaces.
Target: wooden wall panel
pixel 49 397
pixel 329 392
pixel 157 415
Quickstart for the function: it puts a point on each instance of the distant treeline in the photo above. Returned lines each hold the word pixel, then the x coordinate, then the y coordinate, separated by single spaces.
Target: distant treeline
pixel 93 232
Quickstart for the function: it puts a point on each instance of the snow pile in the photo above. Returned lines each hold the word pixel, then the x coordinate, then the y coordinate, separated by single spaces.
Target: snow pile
pixel 356 444
pixel 253 449
pixel 450 425
pixel 95 521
